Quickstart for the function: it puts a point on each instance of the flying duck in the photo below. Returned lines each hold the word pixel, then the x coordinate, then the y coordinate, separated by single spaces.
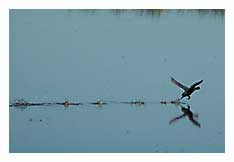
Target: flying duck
pixel 187 90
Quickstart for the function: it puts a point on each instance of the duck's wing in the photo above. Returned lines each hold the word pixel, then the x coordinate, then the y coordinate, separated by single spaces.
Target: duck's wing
pixel 197 83
pixel 179 84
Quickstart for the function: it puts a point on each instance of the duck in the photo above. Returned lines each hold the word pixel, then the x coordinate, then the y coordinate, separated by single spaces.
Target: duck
pixel 187 90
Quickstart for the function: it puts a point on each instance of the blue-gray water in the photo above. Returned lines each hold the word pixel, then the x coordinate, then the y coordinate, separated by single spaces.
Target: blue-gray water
pixel 116 55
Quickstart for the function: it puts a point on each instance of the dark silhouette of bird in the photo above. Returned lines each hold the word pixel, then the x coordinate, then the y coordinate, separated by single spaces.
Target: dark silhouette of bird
pixel 187 90
pixel 187 112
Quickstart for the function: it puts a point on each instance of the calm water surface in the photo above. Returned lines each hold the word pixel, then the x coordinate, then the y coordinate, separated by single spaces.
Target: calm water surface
pixel 116 55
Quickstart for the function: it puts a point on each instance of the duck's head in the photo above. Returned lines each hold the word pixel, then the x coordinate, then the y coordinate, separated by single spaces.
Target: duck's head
pixel 197 88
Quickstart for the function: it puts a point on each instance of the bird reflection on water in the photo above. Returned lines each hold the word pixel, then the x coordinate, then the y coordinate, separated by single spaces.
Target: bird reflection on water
pixel 187 113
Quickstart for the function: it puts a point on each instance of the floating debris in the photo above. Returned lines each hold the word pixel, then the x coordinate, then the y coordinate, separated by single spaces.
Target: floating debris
pixel 99 103
pixel 66 104
pixel 175 102
pixel 21 103
pixel 138 102
pixel 163 102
